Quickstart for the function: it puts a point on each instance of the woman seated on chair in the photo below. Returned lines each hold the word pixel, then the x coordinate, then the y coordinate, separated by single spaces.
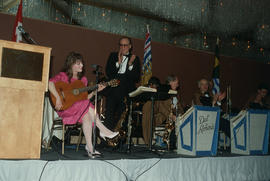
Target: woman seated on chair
pixel 81 111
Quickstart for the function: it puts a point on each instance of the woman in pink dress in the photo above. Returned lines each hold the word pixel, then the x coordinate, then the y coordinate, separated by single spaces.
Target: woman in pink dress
pixel 81 111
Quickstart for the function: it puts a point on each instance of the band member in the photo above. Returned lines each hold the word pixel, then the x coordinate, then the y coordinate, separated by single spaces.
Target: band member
pixel 162 109
pixel 153 82
pixel 124 66
pixel 80 111
pixel 204 97
pixel 259 100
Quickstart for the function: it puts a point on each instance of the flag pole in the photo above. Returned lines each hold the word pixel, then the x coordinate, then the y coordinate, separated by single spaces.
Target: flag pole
pixel 145 69
pixel 215 76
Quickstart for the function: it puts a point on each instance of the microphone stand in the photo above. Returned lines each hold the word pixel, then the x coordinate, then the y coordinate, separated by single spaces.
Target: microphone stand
pixel 95 111
pixel 228 108
pixel 26 36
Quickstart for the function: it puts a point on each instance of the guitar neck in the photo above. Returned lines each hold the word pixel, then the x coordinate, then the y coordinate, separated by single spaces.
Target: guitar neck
pixel 89 88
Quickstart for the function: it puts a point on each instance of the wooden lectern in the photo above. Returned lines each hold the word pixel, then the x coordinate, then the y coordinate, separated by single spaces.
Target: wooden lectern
pixel 24 73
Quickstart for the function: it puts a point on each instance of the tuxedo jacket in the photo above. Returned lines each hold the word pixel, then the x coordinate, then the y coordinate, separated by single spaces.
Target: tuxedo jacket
pixel 129 78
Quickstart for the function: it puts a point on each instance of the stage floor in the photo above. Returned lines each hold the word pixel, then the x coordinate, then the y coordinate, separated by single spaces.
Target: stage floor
pixel 109 153
pixel 139 164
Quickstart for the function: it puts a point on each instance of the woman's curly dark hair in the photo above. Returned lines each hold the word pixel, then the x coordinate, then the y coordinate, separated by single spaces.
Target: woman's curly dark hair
pixel 71 59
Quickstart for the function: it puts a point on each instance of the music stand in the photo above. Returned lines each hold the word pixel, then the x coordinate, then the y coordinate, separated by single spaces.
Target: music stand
pixel 129 127
pixel 162 93
pixel 151 121
pixel 140 91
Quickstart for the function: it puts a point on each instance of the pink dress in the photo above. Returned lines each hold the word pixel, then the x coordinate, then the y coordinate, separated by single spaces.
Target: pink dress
pixel 76 112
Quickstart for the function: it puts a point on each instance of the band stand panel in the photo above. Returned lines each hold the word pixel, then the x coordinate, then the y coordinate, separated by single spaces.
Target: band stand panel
pixel 250 132
pixel 207 130
pixel 24 71
pixel 239 134
pixel 185 133
pixel 197 131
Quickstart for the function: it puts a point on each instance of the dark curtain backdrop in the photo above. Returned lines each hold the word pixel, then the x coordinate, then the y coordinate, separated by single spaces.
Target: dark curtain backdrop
pixel 189 65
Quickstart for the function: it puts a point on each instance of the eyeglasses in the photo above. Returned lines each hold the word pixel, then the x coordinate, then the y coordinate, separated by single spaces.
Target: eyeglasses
pixel 124 45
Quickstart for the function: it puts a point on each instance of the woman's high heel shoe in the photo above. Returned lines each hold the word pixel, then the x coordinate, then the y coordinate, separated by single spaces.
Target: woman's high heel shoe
pixel 114 134
pixel 91 154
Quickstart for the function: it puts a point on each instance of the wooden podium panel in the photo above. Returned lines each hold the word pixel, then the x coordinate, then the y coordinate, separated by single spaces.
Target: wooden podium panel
pixel 21 98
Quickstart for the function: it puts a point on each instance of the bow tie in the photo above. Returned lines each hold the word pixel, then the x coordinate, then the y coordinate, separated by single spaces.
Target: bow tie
pixel 128 55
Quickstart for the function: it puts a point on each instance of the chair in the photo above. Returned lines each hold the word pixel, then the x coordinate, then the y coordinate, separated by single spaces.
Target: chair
pixel 158 134
pixel 58 125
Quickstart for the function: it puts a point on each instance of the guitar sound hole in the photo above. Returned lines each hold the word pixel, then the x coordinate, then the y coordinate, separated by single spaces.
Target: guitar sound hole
pixel 76 92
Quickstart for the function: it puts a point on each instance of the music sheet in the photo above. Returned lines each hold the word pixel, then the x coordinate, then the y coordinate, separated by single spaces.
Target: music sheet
pixel 143 89
pixel 140 90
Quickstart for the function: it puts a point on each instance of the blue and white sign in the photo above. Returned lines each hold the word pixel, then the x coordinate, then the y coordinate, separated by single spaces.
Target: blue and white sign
pixel 197 131
pixel 250 132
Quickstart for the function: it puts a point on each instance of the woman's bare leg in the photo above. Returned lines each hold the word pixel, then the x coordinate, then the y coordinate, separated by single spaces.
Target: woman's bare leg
pixel 87 130
pixel 99 124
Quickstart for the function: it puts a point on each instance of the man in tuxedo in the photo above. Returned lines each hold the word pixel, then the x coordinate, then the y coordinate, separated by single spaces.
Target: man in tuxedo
pixel 124 66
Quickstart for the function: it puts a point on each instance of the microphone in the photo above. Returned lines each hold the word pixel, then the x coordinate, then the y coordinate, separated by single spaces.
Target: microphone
pixel 26 36
pixel 21 29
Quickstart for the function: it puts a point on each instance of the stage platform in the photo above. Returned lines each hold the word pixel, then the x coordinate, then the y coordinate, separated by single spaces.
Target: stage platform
pixel 140 165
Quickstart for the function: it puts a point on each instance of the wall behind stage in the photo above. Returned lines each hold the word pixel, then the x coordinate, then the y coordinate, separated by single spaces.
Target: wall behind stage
pixel 189 65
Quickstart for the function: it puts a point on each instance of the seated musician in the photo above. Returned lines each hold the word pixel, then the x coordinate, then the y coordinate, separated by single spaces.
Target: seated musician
pixel 81 111
pixel 162 108
pixel 205 97
pixel 259 99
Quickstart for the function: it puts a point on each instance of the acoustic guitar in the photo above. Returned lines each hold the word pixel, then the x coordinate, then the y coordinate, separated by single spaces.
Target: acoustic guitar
pixel 75 91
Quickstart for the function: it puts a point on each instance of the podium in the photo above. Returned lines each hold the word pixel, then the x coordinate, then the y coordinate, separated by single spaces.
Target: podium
pixel 24 71
pixel 250 132
pixel 197 131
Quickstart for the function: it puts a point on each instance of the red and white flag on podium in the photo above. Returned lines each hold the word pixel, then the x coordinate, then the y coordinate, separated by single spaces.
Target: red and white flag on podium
pixel 17 34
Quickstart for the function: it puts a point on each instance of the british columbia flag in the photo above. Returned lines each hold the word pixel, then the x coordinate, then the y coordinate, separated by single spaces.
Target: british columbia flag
pixel 147 59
